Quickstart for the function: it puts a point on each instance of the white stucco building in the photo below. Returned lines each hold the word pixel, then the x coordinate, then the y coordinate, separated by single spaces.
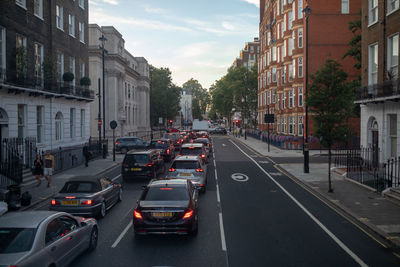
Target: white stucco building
pixel 127 84
pixel 186 105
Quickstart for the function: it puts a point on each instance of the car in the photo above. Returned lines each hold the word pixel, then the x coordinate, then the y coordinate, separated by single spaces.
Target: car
pixel 202 134
pixel 166 146
pixel 167 207
pixel 142 163
pixel 218 130
pixel 191 168
pixel 88 196
pixel 176 139
pixel 124 144
pixel 195 149
pixel 44 238
pixel 206 143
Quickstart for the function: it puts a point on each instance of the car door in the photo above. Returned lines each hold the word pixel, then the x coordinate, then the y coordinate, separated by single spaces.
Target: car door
pixel 73 234
pixel 106 191
pixel 57 246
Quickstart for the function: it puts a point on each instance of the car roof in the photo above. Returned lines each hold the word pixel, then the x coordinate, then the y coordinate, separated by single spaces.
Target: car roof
pixel 141 152
pixel 125 137
pixel 85 179
pixel 169 182
pixel 187 158
pixel 192 145
pixel 25 219
pixel 201 139
pixel 161 139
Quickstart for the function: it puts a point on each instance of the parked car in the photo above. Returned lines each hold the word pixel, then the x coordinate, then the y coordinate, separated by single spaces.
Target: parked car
pixel 147 163
pixel 194 149
pixel 191 168
pixel 87 196
pixel 167 206
pixel 44 238
pixel 124 144
pixel 206 143
pixel 166 146
pixel 176 139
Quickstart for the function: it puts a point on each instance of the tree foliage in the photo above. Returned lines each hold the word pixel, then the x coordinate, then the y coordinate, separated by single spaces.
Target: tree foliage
pixel 355 43
pixel 200 98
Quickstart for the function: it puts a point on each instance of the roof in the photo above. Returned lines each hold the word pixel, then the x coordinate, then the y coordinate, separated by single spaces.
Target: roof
pixel 168 182
pixel 192 145
pixel 139 151
pixel 188 157
pixel 25 219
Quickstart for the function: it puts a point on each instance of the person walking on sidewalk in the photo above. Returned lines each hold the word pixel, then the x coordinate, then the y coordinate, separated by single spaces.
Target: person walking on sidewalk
pixel 86 154
pixel 38 168
pixel 240 132
pixel 48 167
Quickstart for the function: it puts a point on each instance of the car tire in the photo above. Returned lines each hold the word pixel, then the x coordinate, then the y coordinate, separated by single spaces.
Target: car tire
pixel 120 195
pixel 102 212
pixel 94 237
pixel 124 150
pixel 194 231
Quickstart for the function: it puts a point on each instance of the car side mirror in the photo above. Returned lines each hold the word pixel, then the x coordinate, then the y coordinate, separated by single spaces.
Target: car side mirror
pixel 83 224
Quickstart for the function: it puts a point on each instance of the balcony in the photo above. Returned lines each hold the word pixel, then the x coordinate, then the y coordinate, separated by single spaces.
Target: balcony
pixel 35 86
pixel 388 90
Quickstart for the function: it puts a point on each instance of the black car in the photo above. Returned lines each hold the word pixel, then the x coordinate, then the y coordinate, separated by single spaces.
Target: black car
pixel 124 144
pixel 175 138
pixel 146 163
pixel 87 196
pixel 167 206
pixel 166 146
pixel 218 130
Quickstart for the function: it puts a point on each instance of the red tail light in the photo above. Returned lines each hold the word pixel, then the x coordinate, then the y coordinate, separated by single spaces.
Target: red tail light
pixel 188 214
pixel 137 214
pixel 203 156
pixel 70 197
pixel 117 143
pixel 87 202
pixel 201 185
pixel 171 169
pixel 150 164
pixel 199 170
pixel 53 202
pixel 168 151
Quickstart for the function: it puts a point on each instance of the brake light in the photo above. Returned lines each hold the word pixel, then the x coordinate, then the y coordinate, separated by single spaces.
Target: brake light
pixel 117 143
pixel 70 197
pixel 165 188
pixel 87 202
pixel 199 170
pixel 201 185
pixel 137 214
pixel 150 164
pixel 55 202
pixel 168 151
pixel 203 156
pixel 171 169
pixel 188 214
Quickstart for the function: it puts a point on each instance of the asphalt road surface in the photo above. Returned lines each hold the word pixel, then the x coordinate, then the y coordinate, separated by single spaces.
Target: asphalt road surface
pixel 250 215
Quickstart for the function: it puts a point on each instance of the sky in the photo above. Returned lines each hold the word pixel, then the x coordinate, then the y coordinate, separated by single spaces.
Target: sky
pixel 197 39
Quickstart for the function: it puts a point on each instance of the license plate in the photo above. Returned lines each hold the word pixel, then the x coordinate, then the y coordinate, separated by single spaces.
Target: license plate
pixel 185 174
pixel 70 202
pixel 162 214
pixel 136 169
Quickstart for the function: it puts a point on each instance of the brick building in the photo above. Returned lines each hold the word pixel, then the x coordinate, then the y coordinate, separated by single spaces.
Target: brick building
pixel 281 85
pixel 249 55
pixel 380 92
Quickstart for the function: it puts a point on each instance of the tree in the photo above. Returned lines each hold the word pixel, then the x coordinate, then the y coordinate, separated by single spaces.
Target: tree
pixel 200 98
pixel 330 98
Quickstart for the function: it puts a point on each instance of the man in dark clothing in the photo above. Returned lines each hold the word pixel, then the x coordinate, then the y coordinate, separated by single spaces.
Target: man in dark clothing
pixel 86 154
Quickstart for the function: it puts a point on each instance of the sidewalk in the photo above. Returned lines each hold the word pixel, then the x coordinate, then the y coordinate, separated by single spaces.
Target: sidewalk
pixel 359 202
pixel 42 193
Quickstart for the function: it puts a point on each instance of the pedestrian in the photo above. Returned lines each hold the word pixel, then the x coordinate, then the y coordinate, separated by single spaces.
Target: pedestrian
pixel 38 168
pixel 240 132
pixel 86 154
pixel 235 132
pixel 48 167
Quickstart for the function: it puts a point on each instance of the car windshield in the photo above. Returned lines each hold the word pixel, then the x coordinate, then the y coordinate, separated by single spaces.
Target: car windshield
pixel 171 136
pixel 79 187
pixel 191 151
pixel 16 240
pixel 190 165
pixel 167 193
pixel 159 144
pixel 136 158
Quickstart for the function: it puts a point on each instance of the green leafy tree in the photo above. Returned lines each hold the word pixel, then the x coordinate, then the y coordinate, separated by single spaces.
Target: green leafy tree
pixel 330 99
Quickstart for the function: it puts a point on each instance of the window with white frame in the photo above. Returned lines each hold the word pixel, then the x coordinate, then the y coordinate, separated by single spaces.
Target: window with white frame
pixel 82 4
pixel 71 24
pixel 290 72
pixel 290 46
pixel 273 75
pixel 268 77
pixel 283 26
pixel 273 96
pixel 393 56
pixel 2 53
pixel 83 70
pixel 300 96
pixel 284 50
pixel 60 66
pixel 21 113
pixel 283 74
pixel 290 20
pixel 72 121
pixel 300 66
pixel 59 123
pixel 269 98
pixel 274 53
pixel 38 62
pixel 83 119
pixel 59 17
pixel 300 9
pixel 300 38
pixel 82 32
pixel 72 69
pixel 291 125
pixel 21 55
pixel 278 7
pixel 283 124
pixel 392 5
pixel 21 3
pixel 345 7
pixel 373 64
pixel 291 99
pixel 372 11
pixel 40 124
pixel 392 135
pixel 263 99
pixel 38 8
pixel 300 125
pixel 283 100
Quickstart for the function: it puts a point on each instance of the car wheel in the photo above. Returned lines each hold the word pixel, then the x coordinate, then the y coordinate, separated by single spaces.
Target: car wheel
pixel 120 194
pixel 124 150
pixel 94 236
pixel 102 212
pixel 195 229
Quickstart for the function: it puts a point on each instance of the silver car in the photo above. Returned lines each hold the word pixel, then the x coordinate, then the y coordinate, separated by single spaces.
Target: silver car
pixel 44 238
pixel 189 167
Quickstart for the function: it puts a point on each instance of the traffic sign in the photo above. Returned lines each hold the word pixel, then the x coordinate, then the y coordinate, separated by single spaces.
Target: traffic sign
pixel 99 122
pixel 113 124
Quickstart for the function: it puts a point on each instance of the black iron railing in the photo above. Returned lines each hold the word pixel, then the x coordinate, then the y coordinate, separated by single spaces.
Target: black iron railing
pixel 385 89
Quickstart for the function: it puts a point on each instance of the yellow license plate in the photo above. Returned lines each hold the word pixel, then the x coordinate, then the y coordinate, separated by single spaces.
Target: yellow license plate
pixel 185 174
pixel 136 169
pixel 162 214
pixel 70 202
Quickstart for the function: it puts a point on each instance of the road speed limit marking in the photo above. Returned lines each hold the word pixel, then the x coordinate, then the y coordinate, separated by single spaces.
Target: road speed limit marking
pixel 240 177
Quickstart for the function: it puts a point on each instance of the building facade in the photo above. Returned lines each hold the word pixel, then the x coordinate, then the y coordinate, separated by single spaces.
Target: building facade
pixel 281 79
pixel 249 55
pixel 186 106
pixel 40 41
pixel 127 85
pixel 379 95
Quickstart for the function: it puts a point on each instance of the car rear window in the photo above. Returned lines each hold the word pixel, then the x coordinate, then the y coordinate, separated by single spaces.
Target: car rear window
pixel 136 158
pixel 191 165
pixel 79 187
pixel 191 151
pixel 167 193
pixel 16 240
pixel 159 144
pixel 171 136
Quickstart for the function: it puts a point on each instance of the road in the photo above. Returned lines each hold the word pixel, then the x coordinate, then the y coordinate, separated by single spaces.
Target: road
pixel 251 215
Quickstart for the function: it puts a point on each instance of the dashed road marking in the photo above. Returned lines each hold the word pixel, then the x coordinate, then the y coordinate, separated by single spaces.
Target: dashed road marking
pixel 263 162
pixel 122 234
pixel 276 173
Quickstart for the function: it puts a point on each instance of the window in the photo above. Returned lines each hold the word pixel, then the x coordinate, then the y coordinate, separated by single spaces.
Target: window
pixel 21 55
pixel 268 77
pixel 82 32
pixel 21 3
pixel 273 75
pixel 284 125
pixel 54 231
pixel 252 49
pixel 21 120
pixel 83 70
pixel 38 8
pixel 283 75
pixel 40 124
pixel 290 20
pixel 291 99
pixel 71 23
pixel 300 66
pixel 2 53
pixel 291 125
pixel 345 7
pixel 274 53
pixel 82 4
pixel 59 17
pixel 269 98
pixel 300 9
pixel 83 123
pixel 392 135
pixel 72 69
pixel 372 11
pixel 290 68
pixel 300 125
pixel 72 123
pixel 300 96
pixel 393 56
pixel 273 96
pixel 60 66
pixel 392 5
pixel 372 64
pixel 59 126
pixel 300 38
pixel 38 62
pixel 290 46
pixel 294 67
pixel 283 100
pixel 283 28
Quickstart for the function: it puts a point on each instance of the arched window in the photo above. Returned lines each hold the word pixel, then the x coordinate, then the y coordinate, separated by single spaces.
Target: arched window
pixel 59 126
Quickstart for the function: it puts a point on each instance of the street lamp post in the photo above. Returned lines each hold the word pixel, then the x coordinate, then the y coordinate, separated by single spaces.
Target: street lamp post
pixel 306 11
pixel 151 98
pixel 99 113
pixel 103 39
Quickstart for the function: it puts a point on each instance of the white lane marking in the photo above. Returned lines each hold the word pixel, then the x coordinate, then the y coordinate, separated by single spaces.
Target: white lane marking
pixel 221 227
pixel 262 162
pixel 116 177
pixel 214 162
pixel 218 197
pixel 323 227
pixel 223 145
pixel 240 177
pixel 122 234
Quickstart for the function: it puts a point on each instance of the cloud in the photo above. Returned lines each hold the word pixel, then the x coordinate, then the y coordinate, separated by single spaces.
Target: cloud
pixel 194 50
pixel 152 10
pixel 99 2
pixel 253 2
pixel 228 26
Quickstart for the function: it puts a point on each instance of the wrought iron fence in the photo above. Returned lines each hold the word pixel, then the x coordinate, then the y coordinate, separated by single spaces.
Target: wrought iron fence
pixel 384 89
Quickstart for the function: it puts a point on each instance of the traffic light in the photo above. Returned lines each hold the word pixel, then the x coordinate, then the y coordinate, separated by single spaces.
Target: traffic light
pixel 170 122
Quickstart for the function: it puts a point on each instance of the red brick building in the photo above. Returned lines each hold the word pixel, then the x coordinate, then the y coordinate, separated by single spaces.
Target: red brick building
pixel 281 84
pixel 249 55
